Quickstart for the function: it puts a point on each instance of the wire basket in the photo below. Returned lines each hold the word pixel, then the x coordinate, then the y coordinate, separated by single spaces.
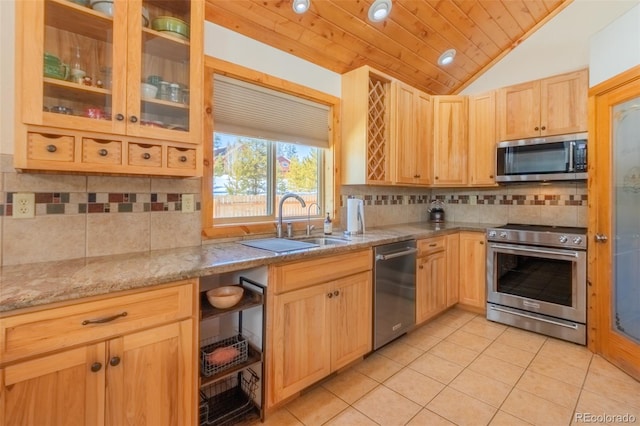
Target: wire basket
pixel 229 400
pixel 236 343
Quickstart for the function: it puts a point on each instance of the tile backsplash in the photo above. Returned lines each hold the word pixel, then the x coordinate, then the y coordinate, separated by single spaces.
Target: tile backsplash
pixel 83 216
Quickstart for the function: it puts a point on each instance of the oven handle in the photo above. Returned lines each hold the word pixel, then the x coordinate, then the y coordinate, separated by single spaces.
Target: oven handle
pixel 535 250
pixel 509 311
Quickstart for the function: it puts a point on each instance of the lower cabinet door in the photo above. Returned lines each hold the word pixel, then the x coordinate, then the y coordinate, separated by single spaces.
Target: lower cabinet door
pixel 473 271
pixel 66 388
pixel 351 319
pixel 431 286
pixel 300 341
pixel 150 377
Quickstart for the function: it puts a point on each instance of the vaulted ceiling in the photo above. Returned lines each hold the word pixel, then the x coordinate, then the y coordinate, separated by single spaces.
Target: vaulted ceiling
pixel 337 35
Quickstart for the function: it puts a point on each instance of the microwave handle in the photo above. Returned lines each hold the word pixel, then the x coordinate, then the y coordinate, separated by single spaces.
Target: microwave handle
pixel 572 159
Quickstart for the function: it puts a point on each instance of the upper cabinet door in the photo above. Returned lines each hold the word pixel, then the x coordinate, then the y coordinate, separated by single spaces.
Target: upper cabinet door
pixel 519 111
pixel 563 104
pixel 449 140
pixel 482 139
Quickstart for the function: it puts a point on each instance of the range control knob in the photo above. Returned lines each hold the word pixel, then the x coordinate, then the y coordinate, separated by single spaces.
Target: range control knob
pixel 503 234
pixel 492 234
pixel 563 239
pixel 577 240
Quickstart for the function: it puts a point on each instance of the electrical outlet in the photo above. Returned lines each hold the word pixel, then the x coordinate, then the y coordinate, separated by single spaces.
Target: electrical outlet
pixel 188 203
pixel 24 205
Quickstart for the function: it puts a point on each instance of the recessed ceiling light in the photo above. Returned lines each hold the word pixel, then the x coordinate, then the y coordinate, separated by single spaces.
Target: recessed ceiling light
pixel 379 10
pixel 300 6
pixel 447 57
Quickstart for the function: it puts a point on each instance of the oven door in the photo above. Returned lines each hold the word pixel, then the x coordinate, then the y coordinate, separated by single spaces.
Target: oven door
pixel 541 280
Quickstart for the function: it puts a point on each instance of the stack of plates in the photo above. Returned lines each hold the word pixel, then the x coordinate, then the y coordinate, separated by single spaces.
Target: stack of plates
pixel 172 26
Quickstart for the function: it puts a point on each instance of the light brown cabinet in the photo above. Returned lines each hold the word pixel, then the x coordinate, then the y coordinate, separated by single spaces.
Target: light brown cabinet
pixel 102 122
pixel 431 278
pixel 452 244
pixel 319 328
pixel 113 361
pixel 412 135
pixel 551 106
pixel 449 140
pixel 472 269
pixel 482 140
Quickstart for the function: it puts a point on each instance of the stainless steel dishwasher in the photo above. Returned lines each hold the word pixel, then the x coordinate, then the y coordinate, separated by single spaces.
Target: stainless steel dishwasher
pixel 394 291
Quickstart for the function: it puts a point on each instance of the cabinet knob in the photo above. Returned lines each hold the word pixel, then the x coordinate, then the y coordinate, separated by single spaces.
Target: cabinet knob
pixel 421 267
pixel 481 243
pixel 543 128
pixel 133 119
pixel 146 156
pixel 114 361
pixel 103 152
pixel 183 158
pixel 436 177
pixel 490 176
pixel 329 295
pixel 336 293
pixel 96 366
pixel 51 148
pixel 119 117
pixel 536 128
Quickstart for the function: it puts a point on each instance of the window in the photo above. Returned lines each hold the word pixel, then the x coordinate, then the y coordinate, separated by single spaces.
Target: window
pixel 265 140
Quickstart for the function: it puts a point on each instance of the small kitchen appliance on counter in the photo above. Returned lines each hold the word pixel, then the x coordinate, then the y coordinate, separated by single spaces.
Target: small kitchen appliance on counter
pixel 355 216
pixel 436 211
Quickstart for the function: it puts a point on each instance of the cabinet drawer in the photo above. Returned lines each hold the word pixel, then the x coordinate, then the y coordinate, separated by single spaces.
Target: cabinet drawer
pixel 145 155
pixel 181 158
pixel 58 328
pixel 101 151
pixel 430 245
pixel 292 276
pixel 50 147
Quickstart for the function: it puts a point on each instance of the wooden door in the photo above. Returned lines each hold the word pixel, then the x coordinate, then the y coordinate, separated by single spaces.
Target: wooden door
pixel 614 202
pixel 519 111
pixel 423 154
pixel 452 244
pixel 150 377
pixel 473 270
pixel 351 319
pixel 482 139
pixel 300 345
pixel 563 104
pixel 449 140
pixel 66 388
pixel 431 286
pixel 405 133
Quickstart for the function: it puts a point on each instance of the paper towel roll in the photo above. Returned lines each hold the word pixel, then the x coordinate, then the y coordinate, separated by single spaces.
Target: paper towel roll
pixel 353 204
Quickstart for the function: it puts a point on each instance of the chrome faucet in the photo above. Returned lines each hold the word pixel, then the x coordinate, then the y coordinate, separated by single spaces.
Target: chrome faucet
pixel 284 197
pixel 309 225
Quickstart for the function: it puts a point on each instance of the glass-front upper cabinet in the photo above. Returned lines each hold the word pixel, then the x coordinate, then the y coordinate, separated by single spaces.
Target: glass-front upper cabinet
pixel 124 66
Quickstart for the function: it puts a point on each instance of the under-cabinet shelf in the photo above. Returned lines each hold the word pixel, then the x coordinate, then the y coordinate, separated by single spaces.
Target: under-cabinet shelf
pixel 250 299
pixel 69 16
pixel 254 356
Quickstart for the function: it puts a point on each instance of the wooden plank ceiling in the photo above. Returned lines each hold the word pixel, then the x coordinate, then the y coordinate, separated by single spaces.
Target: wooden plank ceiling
pixel 337 35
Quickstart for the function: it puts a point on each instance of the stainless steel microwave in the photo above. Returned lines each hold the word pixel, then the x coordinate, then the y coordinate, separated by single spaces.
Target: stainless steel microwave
pixel 550 158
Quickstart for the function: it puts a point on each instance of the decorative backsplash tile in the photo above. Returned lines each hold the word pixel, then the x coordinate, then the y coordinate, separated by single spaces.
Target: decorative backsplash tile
pixel 489 199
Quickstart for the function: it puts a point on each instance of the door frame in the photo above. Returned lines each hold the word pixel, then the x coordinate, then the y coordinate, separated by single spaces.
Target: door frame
pixel 616 349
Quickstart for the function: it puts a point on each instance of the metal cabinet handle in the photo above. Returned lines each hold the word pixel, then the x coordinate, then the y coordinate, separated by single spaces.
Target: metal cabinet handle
pixel 601 238
pixel 103 152
pixel 183 158
pixel 52 148
pixel 103 320
pixel 133 119
pixel 96 366
pixel 119 117
pixel 146 156
pixel 114 361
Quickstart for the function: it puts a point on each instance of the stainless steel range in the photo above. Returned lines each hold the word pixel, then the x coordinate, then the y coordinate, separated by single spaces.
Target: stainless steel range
pixel 537 279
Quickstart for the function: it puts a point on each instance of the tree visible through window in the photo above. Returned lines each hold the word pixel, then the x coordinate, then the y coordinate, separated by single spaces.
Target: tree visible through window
pixel 250 175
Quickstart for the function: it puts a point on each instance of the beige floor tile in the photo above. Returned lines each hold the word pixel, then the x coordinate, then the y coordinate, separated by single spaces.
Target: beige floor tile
pixel 505 419
pixel 387 407
pixel 351 417
pixel 437 368
pixel 578 355
pixel 550 389
pixel 414 386
pixel 378 367
pixel 401 352
pixel 468 340
pixel 603 367
pixel 461 409
pixel 552 367
pixel 497 369
pixel 420 340
pixel 282 417
pixel 429 418
pixel 485 389
pixel 512 355
pixel 536 410
pixel 437 330
pixel 594 404
pixel 482 327
pixel 455 318
pixel 316 407
pixel 521 339
pixel 454 353
pixel 625 391
pixel 350 385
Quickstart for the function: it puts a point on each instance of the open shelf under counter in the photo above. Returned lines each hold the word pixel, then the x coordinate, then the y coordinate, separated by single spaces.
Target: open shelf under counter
pixel 69 16
pixel 250 299
pixel 254 356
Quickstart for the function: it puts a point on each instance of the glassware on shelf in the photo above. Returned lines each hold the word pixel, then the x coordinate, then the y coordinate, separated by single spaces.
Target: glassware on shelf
pixel 77 65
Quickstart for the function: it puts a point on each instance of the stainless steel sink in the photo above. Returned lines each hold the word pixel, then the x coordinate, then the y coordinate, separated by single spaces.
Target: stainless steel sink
pixel 323 241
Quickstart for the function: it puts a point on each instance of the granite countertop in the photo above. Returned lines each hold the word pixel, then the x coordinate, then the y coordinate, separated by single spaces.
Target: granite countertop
pixel 36 284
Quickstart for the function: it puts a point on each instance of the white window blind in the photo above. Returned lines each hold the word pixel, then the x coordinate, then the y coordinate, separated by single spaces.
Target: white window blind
pixel 250 110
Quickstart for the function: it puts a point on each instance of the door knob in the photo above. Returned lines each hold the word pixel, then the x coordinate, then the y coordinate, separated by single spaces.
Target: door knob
pixel 601 238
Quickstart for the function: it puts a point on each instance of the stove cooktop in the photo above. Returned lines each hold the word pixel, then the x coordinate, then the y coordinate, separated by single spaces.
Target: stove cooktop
pixel 544 228
pixel 540 235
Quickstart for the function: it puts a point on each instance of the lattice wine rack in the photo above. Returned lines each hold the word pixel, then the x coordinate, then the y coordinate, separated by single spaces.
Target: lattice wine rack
pixel 377 146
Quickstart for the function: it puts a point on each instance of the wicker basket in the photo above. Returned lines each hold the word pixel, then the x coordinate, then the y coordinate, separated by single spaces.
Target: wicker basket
pixel 239 343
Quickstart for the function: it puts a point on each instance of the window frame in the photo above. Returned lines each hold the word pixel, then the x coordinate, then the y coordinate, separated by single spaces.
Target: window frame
pixel 331 171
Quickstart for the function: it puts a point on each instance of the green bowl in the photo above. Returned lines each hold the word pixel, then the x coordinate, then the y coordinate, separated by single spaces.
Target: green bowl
pixel 171 25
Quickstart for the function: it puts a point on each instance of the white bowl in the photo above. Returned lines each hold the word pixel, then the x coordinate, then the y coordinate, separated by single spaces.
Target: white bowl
pixel 225 297
pixel 102 6
pixel 148 91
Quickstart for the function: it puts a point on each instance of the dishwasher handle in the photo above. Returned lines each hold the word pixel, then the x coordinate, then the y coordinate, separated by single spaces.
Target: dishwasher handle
pixel 408 251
